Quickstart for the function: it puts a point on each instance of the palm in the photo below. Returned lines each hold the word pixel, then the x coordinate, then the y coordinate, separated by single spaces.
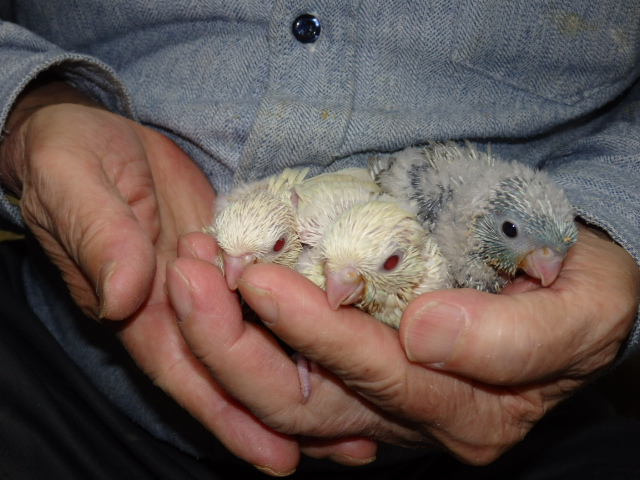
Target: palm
pixel 108 199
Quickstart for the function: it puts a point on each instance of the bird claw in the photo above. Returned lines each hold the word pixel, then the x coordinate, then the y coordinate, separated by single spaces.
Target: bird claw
pixel 303 366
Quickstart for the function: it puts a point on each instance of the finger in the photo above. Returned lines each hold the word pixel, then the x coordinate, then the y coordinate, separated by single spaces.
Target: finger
pixel 97 242
pixel 267 382
pixel 350 451
pixel 241 345
pixel 154 339
pixel 198 245
pixel 496 339
pixel 572 328
pixel 185 196
pixel 182 377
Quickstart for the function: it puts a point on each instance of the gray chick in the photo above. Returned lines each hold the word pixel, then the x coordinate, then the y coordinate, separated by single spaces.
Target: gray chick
pixel 489 217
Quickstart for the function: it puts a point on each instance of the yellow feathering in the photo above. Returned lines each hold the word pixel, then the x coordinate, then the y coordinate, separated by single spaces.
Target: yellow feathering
pixel 388 249
pixel 258 228
pixel 319 202
pixel 280 184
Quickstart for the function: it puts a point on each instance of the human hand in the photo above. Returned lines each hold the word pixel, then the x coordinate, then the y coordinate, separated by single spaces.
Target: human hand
pixel 518 355
pixel 108 198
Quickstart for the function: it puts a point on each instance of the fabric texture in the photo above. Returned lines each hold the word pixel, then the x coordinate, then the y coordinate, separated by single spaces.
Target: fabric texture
pixel 553 84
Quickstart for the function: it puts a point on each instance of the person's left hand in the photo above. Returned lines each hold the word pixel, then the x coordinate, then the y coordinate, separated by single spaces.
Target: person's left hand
pixel 485 367
pixel 107 199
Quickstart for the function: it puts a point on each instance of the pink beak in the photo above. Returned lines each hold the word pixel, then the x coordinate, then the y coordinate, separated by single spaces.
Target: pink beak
pixel 543 264
pixel 344 287
pixel 234 266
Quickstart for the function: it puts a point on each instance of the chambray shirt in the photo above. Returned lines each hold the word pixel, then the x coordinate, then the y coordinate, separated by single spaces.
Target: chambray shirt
pixel 553 84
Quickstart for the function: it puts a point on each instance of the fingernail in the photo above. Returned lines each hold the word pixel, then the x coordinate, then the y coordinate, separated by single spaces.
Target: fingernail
pixel 431 334
pixel 180 293
pixel 350 461
pixel 273 473
pixel 102 288
pixel 261 301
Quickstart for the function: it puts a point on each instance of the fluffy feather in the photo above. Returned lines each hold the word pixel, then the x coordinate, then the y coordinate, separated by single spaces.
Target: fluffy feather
pixel 269 220
pixel 490 217
pixel 319 200
pixel 375 256
pixel 256 222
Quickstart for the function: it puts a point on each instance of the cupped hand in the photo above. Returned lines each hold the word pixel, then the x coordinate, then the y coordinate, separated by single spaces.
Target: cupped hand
pixel 475 377
pixel 108 199
pixel 572 329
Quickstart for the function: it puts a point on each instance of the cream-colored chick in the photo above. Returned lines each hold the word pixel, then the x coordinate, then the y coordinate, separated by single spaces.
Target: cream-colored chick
pixel 319 200
pixel 256 223
pixel 377 257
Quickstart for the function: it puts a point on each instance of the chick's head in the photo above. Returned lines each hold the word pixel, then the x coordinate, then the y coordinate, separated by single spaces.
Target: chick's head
pixel 528 224
pixel 371 251
pixel 256 228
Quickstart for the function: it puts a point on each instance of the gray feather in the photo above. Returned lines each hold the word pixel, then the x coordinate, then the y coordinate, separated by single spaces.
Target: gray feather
pixel 466 198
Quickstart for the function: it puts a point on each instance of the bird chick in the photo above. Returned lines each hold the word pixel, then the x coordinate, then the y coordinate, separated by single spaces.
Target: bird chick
pixel 261 222
pixel 256 228
pixel 256 223
pixel 490 217
pixel 375 256
pixel 319 200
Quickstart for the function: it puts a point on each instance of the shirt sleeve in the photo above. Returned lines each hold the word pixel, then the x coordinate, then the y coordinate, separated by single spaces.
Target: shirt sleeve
pixel 600 172
pixel 24 56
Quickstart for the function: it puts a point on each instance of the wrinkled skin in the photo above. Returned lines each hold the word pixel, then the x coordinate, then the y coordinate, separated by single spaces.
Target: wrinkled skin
pixel 106 199
pixel 476 390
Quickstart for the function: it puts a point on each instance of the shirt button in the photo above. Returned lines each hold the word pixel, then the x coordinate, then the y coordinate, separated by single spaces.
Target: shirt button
pixel 306 28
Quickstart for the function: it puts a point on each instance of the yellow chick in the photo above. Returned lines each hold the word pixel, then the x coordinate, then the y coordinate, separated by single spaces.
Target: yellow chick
pixel 377 257
pixel 271 220
pixel 257 223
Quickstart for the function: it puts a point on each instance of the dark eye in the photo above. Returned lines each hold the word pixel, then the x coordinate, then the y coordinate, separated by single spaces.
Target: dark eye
pixel 279 245
pixel 391 262
pixel 510 229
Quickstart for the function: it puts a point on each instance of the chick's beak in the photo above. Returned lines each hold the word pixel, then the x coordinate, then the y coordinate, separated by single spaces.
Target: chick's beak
pixel 543 264
pixel 234 266
pixel 344 287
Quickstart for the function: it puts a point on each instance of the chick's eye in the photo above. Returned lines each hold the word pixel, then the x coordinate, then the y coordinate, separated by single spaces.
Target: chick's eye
pixel 510 229
pixel 391 262
pixel 279 245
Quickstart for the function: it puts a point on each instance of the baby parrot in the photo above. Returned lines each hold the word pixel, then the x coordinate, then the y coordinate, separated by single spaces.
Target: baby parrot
pixel 489 217
pixel 257 223
pixel 272 220
pixel 376 256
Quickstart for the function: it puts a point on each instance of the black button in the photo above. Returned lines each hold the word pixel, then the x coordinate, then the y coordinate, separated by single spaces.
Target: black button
pixel 306 28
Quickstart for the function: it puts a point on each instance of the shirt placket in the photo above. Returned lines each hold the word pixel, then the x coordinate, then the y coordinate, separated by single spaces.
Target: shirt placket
pixel 307 105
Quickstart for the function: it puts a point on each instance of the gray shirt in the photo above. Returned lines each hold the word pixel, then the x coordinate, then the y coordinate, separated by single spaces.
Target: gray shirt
pixel 550 84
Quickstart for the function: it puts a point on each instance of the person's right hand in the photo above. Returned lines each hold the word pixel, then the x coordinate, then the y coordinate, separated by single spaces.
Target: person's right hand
pixel 477 393
pixel 108 199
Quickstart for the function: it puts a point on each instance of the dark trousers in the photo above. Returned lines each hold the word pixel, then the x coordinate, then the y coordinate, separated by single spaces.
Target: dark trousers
pixel 54 424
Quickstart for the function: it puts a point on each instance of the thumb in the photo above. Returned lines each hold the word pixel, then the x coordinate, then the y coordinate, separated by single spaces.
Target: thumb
pixel 497 339
pixel 122 261
pixel 93 237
